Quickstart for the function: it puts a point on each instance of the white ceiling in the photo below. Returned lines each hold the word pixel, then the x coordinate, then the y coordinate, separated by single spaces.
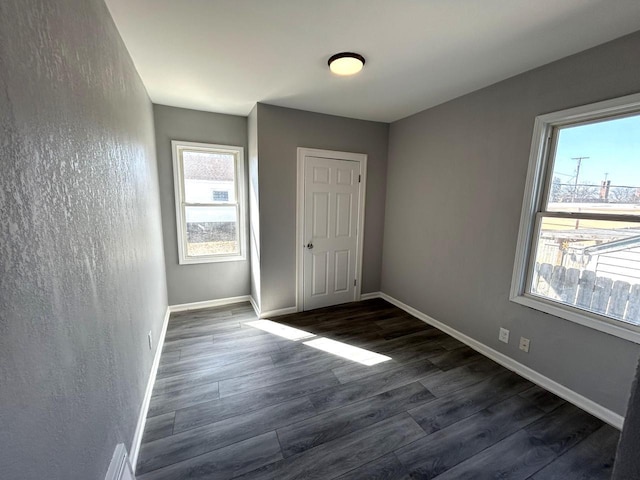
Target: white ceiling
pixel 226 55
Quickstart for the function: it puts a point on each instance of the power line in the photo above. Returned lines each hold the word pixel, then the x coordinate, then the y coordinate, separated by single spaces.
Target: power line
pixel 575 187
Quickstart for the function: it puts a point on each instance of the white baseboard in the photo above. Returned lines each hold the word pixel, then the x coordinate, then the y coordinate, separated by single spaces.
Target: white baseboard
pixel 255 306
pixel 142 417
pixel 270 313
pixel 276 313
pixel 569 395
pixel 209 303
pixel 119 468
pixel 369 296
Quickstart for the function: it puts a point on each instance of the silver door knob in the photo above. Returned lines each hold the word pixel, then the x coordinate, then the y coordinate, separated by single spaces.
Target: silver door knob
pixel 309 245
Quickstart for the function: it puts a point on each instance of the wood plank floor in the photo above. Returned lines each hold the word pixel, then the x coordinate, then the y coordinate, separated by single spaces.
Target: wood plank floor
pixel 233 401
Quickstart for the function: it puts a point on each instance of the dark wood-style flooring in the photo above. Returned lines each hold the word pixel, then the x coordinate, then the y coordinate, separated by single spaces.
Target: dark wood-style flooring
pixel 232 401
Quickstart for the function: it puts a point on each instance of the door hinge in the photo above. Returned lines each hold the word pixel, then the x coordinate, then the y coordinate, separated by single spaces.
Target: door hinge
pixel 359 178
pixel 354 282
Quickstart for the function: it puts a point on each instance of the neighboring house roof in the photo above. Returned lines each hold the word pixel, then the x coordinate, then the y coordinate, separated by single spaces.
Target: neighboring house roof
pixel 615 246
pixel 208 166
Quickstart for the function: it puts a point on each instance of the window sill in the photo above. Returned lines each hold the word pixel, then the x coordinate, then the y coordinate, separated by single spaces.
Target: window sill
pixel 597 322
pixel 195 261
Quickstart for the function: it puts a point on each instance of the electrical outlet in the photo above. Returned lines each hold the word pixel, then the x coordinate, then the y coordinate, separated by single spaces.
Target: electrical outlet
pixel 504 335
pixel 150 340
pixel 524 344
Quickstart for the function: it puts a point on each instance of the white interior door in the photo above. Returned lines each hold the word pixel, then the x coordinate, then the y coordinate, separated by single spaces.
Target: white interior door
pixel 330 230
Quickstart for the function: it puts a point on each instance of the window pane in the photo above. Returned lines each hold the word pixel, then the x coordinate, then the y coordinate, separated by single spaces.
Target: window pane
pixel 596 168
pixel 220 196
pixel 206 173
pixel 212 231
pixel 590 264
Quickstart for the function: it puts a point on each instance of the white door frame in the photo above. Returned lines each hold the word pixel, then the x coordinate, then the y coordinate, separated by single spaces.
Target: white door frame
pixel 301 241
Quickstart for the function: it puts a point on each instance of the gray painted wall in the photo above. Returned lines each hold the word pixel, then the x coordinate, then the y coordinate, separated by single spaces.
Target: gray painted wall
pixel 280 132
pixel 627 464
pixel 81 263
pixel 455 185
pixel 203 281
pixel 254 205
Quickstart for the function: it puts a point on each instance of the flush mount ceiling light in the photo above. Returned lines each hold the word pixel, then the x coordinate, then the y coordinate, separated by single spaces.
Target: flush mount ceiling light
pixel 346 63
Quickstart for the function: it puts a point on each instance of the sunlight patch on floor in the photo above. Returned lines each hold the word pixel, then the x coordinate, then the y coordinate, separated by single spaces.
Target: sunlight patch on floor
pixel 340 349
pixel 347 351
pixel 285 331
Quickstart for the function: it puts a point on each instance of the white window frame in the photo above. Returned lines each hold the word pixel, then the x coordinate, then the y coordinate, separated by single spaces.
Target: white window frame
pixel 538 177
pixel 177 146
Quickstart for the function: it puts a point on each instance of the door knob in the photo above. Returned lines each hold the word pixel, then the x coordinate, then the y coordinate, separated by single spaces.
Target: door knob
pixel 309 245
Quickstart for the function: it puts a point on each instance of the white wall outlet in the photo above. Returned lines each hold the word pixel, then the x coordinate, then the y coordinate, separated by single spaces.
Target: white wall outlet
pixel 524 344
pixel 150 340
pixel 504 335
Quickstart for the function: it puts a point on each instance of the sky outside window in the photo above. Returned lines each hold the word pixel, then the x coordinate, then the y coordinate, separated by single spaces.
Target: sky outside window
pixel 613 151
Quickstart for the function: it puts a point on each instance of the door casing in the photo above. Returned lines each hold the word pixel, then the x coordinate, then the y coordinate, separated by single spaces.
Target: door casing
pixel 301 241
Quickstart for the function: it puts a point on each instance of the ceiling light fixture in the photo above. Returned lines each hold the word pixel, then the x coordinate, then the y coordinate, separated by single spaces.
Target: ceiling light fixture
pixel 346 63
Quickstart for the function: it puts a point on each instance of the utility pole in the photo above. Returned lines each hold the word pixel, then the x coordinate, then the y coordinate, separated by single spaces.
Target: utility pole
pixel 575 186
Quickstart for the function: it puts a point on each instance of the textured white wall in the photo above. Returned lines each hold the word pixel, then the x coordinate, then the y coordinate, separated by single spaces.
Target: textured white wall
pixel 81 263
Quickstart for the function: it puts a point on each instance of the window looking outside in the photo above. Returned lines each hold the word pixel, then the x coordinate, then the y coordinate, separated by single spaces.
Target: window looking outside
pixel 579 246
pixel 220 196
pixel 209 182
